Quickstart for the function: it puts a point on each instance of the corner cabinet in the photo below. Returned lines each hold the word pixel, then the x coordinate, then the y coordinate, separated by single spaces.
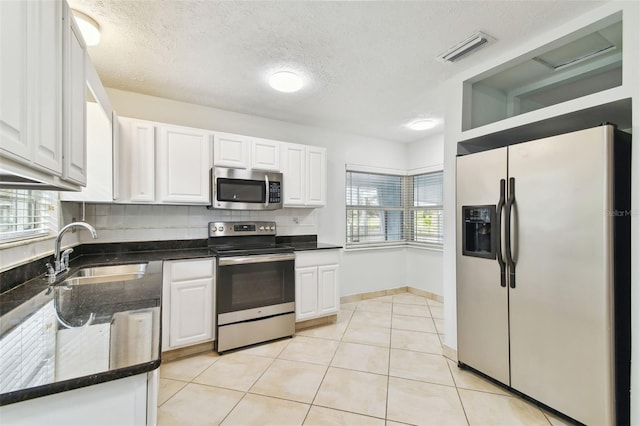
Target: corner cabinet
pixel 305 175
pixel 43 94
pixel 317 284
pixel 163 164
pixel 188 307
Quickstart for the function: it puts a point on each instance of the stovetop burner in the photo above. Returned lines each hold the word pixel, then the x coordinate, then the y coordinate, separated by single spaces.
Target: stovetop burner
pixel 244 239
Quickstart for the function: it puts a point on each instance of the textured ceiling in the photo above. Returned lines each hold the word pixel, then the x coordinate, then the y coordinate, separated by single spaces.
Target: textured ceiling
pixel 369 66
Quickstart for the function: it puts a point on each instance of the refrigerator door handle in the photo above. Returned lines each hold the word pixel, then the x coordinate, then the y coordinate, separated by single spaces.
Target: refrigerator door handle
pixel 501 262
pixel 507 232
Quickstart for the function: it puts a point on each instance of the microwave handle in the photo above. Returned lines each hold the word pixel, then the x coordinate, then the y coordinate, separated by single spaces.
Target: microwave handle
pixel 266 190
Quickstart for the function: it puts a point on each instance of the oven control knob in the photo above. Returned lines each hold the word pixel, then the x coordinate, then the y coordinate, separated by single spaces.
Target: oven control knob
pixel 214 229
pixel 262 228
pixel 273 228
pixel 221 228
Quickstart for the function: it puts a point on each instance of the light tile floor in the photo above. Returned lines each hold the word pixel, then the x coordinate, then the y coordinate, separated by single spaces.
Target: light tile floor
pixel 381 363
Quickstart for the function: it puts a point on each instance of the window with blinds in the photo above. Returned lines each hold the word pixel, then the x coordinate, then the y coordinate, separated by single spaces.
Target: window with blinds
pixel 26 213
pixel 426 209
pixel 375 211
pixel 391 209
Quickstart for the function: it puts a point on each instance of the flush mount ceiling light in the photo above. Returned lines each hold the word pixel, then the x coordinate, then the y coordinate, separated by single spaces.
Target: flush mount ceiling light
pixel 464 48
pixel 285 81
pixel 422 124
pixel 88 27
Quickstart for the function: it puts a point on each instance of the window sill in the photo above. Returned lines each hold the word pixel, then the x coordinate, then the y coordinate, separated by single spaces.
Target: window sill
pixel 394 246
pixel 375 247
pixel 25 240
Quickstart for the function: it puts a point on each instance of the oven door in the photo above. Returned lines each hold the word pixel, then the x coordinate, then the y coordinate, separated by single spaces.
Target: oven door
pixel 258 286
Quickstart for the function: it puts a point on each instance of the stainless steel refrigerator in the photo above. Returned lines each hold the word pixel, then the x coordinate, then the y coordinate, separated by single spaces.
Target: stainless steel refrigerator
pixel 543 270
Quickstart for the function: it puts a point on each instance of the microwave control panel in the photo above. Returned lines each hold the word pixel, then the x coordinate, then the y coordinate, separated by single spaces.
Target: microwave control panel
pixel 275 192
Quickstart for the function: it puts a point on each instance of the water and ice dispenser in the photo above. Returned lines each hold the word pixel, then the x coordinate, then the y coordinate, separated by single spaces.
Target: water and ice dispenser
pixel 479 231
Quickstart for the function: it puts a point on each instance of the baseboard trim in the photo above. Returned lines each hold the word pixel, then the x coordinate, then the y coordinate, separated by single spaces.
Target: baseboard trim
pixel 187 351
pixel 316 322
pixel 391 292
pixel 450 353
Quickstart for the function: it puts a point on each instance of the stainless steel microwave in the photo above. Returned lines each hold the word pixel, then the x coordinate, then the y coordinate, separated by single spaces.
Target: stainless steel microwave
pixel 240 189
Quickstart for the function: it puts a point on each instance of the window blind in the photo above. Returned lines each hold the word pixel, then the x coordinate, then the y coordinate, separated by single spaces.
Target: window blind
pixel 388 209
pixel 375 211
pixel 26 213
pixel 426 209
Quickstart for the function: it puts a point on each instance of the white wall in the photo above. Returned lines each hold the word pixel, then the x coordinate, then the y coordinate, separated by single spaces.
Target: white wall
pixel 361 271
pixel 424 266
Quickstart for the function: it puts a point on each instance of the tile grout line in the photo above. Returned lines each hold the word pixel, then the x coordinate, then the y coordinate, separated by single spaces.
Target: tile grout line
pixel 458 393
pixel 327 370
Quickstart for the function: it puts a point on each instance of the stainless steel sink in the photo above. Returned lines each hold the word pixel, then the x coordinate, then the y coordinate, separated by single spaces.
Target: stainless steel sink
pixel 106 274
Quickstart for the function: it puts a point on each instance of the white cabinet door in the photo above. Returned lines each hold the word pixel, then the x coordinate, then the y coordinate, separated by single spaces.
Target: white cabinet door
pixel 328 291
pixel 184 163
pixel 14 34
pixel 265 154
pixel 316 176
pixel 137 160
pixel 306 293
pixel 100 155
pixel 46 130
pixel 191 312
pixel 188 305
pixel 31 84
pixel 294 171
pixel 230 150
pixel 75 88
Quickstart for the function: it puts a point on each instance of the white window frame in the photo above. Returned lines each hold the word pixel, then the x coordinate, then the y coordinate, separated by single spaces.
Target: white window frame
pixel 408 209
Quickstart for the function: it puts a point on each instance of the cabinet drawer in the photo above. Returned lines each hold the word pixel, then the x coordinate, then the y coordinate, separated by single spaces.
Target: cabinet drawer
pixel 317 257
pixel 192 269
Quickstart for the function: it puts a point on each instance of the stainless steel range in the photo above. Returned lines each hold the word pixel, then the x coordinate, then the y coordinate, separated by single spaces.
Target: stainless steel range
pixel 255 290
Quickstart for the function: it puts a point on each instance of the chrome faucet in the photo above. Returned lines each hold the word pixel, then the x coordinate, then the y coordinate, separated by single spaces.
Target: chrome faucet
pixel 61 263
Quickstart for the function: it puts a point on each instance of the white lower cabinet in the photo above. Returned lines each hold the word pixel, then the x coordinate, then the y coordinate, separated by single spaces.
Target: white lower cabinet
pixel 188 304
pixel 130 401
pixel 317 284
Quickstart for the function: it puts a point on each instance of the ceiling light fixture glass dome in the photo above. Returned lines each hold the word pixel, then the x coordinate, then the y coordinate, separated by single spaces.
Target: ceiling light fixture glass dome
pixel 88 27
pixel 425 124
pixel 285 81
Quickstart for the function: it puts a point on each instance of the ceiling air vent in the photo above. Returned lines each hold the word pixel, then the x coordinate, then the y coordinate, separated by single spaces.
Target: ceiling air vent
pixel 464 48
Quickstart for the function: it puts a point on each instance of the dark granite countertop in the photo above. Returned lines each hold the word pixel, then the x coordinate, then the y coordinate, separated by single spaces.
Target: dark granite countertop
pixel 46 323
pixel 304 243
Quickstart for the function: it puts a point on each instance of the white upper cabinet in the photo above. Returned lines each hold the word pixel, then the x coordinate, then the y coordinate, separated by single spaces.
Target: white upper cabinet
pixel 42 81
pixel 99 159
pixel 305 175
pixel 316 176
pixel 163 164
pixel 294 169
pixel 136 160
pixel 265 154
pixel 30 83
pixel 14 33
pixel 47 128
pixel 75 89
pixel 231 150
pixel 184 161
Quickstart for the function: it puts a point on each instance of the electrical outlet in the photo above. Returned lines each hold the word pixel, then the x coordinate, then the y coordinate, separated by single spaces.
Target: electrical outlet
pixel 296 220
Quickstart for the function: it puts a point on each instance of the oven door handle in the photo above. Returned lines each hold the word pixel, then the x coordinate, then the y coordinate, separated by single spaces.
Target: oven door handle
pixel 262 258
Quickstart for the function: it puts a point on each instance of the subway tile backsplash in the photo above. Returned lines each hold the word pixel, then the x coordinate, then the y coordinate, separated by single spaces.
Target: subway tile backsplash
pixel 117 222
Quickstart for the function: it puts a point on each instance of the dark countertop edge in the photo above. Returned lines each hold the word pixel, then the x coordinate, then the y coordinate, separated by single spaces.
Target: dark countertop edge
pixel 80 382
pixel 154 250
